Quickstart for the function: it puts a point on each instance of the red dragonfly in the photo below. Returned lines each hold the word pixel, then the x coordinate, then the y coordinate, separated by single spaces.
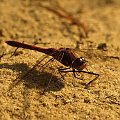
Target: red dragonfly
pixel 64 55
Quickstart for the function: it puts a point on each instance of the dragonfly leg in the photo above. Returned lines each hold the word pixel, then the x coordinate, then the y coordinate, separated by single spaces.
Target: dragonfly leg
pixel 75 73
pixel 60 70
pixel 92 73
pixel 87 72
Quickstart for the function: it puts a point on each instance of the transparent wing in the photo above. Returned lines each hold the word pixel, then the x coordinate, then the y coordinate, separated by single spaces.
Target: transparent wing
pixel 18 79
pixel 42 72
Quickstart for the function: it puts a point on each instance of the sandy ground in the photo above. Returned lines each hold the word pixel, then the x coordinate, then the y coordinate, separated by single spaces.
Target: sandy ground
pixel 28 21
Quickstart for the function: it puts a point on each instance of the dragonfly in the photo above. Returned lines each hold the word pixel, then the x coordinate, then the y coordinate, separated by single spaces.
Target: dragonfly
pixel 63 55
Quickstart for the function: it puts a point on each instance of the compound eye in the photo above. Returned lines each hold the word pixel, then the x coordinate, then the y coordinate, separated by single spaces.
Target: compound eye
pixel 82 59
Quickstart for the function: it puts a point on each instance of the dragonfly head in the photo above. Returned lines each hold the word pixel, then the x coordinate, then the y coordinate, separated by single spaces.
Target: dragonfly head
pixel 79 63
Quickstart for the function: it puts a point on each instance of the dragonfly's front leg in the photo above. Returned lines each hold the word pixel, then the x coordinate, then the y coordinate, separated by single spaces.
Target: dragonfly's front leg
pixel 87 72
